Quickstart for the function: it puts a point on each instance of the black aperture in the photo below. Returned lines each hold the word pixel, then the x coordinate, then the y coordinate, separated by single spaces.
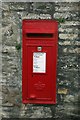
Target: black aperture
pixel 39 35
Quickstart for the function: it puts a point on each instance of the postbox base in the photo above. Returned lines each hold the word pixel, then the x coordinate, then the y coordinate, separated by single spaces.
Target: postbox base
pixel 37 102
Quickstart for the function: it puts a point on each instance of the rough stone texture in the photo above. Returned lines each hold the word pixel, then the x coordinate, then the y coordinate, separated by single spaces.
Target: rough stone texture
pixel 68 95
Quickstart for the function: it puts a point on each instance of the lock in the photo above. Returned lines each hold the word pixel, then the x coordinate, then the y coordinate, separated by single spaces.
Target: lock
pixel 39 48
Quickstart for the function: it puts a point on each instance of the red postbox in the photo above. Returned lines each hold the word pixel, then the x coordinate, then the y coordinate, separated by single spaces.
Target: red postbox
pixel 39 59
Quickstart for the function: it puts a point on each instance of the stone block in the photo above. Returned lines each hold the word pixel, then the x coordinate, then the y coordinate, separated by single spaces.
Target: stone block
pixel 69 98
pixel 4 89
pixel 36 16
pixel 62 91
pixel 9 49
pixel 20 6
pixel 68 36
pixel 67 15
pixel 70 23
pixel 5 6
pixel 67 8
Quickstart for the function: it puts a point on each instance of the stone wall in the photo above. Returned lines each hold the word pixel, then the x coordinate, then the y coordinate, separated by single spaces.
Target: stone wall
pixel 68 95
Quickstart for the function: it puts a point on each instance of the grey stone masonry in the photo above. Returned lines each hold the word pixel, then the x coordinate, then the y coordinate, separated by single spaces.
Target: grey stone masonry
pixel 68 94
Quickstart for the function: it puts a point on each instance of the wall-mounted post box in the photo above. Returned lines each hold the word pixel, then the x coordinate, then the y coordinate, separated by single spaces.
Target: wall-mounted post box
pixel 39 59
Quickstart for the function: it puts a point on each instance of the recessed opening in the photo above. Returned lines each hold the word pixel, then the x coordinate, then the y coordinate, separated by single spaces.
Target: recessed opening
pixel 39 35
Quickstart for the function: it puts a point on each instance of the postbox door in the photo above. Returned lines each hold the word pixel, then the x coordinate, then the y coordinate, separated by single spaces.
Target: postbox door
pixel 41 73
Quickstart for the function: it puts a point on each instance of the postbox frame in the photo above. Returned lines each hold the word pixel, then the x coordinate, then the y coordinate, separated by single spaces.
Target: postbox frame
pixel 30 42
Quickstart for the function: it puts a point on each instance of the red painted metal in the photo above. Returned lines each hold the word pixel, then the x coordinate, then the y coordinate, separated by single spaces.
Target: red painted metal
pixel 39 87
